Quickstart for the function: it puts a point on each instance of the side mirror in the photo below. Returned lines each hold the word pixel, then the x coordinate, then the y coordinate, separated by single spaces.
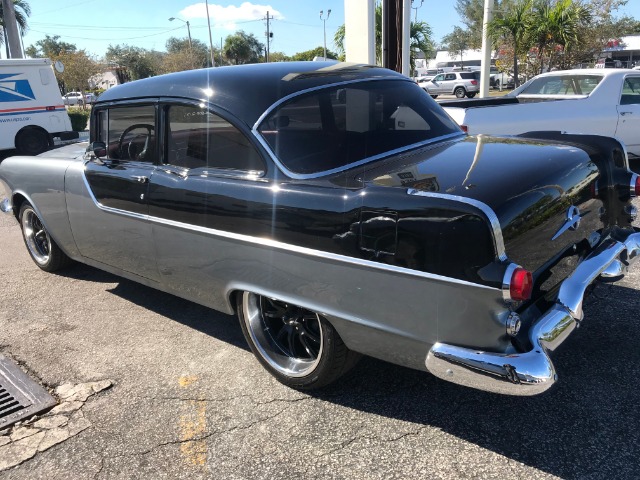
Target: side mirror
pixel 99 149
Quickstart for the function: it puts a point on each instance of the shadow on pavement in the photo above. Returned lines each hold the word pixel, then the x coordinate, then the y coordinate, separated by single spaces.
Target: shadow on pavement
pixel 587 426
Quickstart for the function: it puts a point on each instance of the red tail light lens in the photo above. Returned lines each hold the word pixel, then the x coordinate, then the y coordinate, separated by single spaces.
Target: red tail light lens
pixel 464 128
pixel 474 82
pixel 637 185
pixel 521 284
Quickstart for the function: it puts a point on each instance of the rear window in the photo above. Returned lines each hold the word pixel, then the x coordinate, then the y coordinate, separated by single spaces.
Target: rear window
pixel 334 127
pixel 568 85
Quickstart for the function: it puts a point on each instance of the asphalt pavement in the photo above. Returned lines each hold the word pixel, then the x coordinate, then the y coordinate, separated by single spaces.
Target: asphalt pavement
pixel 187 399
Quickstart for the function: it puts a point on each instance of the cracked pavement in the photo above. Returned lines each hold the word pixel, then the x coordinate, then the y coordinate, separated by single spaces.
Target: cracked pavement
pixel 189 400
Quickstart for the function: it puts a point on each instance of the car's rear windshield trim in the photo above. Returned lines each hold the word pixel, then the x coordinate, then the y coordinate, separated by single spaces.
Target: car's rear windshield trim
pixel 301 176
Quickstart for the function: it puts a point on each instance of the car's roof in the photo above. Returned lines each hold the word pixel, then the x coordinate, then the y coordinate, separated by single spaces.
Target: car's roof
pixel 246 90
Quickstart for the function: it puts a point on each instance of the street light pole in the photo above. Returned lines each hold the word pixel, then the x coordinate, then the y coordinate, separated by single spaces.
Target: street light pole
pixel 324 29
pixel 188 28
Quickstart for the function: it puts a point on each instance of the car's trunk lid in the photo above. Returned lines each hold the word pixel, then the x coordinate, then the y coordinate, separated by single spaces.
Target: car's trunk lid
pixel 536 189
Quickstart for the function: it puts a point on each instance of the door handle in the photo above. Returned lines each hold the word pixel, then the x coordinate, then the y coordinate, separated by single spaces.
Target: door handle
pixel 626 113
pixel 140 178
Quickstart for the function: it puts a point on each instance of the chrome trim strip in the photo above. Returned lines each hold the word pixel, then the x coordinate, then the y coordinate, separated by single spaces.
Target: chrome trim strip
pixel 486 209
pixel 299 176
pixel 281 245
pixel 506 281
pixel 532 372
pixel 632 185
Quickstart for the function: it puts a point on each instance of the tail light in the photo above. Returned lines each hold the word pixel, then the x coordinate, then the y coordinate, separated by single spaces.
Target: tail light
pixel 517 283
pixel 464 128
pixel 474 82
pixel 634 185
pixel 521 284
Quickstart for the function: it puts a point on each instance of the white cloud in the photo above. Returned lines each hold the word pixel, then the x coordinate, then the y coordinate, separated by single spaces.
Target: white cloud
pixel 228 17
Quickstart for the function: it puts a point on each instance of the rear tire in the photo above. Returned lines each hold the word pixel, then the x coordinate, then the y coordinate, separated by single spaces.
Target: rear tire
pixel 298 347
pixel 32 141
pixel 43 250
pixel 459 92
pixel 434 96
pixel 471 95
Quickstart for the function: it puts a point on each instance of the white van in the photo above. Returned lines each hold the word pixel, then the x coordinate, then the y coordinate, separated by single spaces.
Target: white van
pixel 31 109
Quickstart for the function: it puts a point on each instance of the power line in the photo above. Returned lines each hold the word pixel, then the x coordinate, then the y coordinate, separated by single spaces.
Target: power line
pixel 119 39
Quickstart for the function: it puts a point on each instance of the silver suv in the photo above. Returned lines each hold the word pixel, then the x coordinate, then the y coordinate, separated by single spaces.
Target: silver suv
pixel 454 83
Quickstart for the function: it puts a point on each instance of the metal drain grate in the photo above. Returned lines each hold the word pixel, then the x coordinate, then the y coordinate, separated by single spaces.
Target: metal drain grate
pixel 20 397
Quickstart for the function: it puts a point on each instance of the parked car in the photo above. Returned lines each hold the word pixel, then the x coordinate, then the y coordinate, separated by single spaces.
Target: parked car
pixel 90 98
pixel 501 80
pixel 592 101
pixel 454 83
pixel 72 98
pixel 336 225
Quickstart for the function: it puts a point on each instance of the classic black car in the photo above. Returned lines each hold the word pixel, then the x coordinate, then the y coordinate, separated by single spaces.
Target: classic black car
pixel 338 211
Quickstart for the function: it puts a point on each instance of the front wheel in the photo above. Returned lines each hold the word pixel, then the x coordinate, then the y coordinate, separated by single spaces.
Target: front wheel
pixel 42 249
pixel 297 346
pixel 459 92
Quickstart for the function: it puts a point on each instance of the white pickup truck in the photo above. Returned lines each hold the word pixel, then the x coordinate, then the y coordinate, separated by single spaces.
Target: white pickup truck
pixel 591 101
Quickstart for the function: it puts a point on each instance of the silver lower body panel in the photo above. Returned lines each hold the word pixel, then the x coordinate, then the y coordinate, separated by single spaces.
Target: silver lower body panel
pixel 533 372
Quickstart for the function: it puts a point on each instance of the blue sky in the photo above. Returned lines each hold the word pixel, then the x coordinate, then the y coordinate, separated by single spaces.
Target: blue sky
pixel 94 24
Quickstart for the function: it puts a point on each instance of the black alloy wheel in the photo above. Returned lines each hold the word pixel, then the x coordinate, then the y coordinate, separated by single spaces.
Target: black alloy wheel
pixel 296 345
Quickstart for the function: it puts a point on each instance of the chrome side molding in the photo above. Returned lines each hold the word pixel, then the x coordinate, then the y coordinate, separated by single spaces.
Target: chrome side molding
pixel 533 372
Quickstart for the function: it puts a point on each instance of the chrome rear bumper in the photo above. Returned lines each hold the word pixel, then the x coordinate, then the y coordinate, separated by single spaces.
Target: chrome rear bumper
pixel 532 372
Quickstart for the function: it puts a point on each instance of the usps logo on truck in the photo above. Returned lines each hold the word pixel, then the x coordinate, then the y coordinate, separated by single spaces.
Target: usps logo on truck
pixel 13 89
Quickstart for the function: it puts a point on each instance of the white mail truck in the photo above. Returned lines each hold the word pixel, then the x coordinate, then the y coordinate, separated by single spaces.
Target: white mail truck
pixel 32 112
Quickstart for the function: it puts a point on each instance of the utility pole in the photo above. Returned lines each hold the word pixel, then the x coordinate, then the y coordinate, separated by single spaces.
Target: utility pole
pixel 213 62
pixel 11 29
pixel 324 28
pixel 268 36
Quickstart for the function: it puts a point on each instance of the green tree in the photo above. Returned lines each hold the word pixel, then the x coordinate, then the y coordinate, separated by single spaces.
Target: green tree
pixel 198 51
pixel 309 55
pixel 78 69
pixel 139 62
pixel 242 48
pixel 50 47
pixel 471 14
pixel 513 26
pixel 23 10
pixel 279 57
pixel 457 42
pixel 555 26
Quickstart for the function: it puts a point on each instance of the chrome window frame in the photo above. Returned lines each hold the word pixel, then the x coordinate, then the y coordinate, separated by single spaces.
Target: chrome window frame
pixel 304 176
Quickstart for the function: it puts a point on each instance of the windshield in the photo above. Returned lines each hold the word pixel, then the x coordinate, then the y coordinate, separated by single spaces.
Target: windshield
pixel 334 127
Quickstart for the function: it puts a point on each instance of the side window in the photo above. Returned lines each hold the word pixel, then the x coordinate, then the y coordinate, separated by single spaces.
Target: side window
pixel 630 91
pixel 438 78
pixel 197 138
pixel 450 76
pixel 130 133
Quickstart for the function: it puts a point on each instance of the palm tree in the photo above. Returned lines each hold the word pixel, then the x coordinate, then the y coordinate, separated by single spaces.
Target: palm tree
pixel 23 10
pixel 556 24
pixel 419 33
pixel 514 25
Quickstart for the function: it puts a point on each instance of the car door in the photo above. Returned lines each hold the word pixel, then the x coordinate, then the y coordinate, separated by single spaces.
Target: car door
pixel 448 83
pixel 629 114
pixel 435 86
pixel 110 225
pixel 208 188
